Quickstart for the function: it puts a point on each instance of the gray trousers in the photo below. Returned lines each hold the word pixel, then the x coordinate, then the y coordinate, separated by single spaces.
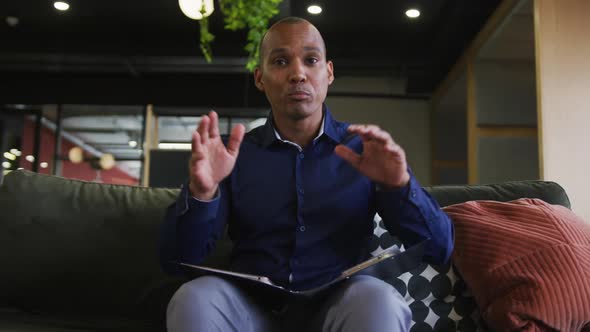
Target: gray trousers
pixel 362 303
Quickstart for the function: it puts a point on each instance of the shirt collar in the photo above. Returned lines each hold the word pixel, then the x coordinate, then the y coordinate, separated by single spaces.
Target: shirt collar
pixel 320 133
pixel 331 128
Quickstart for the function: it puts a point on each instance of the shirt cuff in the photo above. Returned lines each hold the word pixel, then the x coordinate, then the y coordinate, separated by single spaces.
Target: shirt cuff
pixel 412 193
pixel 186 202
pixel 398 194
pixel 215 197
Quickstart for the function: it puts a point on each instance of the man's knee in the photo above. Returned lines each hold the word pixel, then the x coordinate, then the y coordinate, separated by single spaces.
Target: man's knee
pixel 370 304
pixel 368 287
pixel 202 291
pixel 200 304
pixel 213 304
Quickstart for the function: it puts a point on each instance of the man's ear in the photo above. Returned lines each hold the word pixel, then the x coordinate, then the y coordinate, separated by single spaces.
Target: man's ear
pixel 258 79
pixel 330 68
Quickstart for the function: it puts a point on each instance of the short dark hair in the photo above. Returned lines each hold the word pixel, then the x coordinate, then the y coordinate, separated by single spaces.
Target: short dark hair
pixel 286 20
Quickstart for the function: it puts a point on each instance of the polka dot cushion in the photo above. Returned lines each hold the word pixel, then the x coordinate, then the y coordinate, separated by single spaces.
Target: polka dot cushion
pixel 437 296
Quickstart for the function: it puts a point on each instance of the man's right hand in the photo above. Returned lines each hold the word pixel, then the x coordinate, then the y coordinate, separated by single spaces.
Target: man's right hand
pixel 211 161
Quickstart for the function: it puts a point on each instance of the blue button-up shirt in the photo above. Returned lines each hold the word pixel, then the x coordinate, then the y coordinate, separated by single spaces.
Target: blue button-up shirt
pixel 300 216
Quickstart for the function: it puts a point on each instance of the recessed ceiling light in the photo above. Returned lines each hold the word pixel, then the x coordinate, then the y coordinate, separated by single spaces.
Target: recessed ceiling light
pixel 314 9
pixel 44 164
pixel 30 158
pixel 12 21
pixel 132 144
pixel 412 13
pixel 60 5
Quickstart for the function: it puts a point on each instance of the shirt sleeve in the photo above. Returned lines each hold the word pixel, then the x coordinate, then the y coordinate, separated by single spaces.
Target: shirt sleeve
pixel 411 214
pixel 191 228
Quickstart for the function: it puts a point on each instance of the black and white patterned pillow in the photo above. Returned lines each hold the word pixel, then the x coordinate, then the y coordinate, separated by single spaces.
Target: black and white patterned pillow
pixel 437 296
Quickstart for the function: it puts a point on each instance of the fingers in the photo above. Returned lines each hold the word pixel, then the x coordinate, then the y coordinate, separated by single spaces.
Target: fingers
pixel 198 150
pixel 214 126
pixel 203 129
pixel 371 132
pixel 235 139
pixel 209 127
pixel 347 154
pixel 196 142
pixel 395 148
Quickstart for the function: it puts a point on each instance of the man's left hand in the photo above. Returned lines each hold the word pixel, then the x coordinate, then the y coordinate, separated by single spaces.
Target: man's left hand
pixel 383 161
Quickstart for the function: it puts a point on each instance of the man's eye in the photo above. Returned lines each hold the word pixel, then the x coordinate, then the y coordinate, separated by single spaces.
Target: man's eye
pixel 312 60
pixel 280 62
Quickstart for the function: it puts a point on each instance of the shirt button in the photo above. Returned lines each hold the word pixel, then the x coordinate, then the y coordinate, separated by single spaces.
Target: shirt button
pixel 301 190
pixel 302 228
pixel 413 193
pixel 301 156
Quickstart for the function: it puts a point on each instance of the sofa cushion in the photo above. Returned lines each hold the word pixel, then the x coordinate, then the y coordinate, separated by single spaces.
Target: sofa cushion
pixel 437 296
pixel 527 263
pixel 29 322
pixel 547 191
pixel 74 246
pixel 433 297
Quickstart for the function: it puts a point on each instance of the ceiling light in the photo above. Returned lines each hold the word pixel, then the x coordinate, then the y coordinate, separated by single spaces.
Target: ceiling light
pixel 76 155
pixel 60 5
pixel 16 152
pixel 132 144
pixel 314 9
pixel 107 161
pixel 412 13
pixel 44 164
pixel 193 8
pixel 30 158
pixel 9 155
pixel 12 21
pixel 6 164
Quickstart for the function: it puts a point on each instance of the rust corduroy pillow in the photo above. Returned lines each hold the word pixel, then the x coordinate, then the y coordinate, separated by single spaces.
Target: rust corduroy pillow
pixel 527 263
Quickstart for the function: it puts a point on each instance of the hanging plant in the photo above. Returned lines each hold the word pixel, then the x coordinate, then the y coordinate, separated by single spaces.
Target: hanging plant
pixel 253 15
pixel 206 39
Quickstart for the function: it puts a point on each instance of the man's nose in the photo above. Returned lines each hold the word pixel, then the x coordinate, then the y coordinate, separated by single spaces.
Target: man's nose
pixel 297 74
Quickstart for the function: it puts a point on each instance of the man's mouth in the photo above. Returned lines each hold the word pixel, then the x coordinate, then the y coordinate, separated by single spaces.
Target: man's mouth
pixel 299 95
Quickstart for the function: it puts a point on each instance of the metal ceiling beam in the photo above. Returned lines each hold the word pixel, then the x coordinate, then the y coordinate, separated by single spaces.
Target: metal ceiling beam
pixel 138 65
pixel 135 65
pixel 98 130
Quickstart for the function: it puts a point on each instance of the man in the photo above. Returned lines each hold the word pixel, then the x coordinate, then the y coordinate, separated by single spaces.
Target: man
pixel 299 195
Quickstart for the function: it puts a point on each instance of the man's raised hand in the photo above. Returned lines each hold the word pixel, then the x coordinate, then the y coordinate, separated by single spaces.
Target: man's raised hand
pixel 211 161
pixel 382 160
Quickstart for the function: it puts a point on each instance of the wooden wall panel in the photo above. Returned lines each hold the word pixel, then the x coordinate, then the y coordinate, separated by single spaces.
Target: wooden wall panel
pixel 563 85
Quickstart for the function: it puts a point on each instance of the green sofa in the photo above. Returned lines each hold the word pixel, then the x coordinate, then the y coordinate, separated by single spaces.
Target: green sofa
pixel 79 256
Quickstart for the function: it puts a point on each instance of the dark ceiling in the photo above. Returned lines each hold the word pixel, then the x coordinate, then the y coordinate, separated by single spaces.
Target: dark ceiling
pixel 137 51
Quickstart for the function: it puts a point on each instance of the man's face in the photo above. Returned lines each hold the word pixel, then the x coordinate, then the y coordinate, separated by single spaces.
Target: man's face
pixel 294 73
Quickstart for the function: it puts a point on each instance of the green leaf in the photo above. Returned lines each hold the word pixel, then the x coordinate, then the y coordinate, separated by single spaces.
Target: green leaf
pixel 206 39
pixel 253 15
